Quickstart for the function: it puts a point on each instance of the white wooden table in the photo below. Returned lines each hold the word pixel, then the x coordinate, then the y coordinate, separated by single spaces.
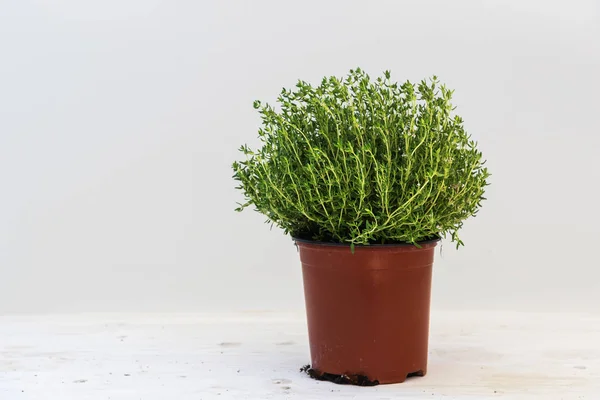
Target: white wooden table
pixel 258 356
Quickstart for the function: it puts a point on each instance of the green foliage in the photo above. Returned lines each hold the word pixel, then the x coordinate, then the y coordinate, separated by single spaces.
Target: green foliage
pixel 363 161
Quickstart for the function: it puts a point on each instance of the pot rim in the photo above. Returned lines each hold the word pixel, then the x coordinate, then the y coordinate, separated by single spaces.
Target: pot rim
pixel 387 245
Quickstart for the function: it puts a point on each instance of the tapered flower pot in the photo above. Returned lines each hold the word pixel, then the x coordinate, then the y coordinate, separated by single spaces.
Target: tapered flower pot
pixel 368 310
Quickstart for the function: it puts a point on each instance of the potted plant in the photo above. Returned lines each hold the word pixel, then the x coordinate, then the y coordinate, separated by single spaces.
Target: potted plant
pixel 366 176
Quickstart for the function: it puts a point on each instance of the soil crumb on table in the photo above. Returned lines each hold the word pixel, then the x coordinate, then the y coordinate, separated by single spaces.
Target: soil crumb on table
pixel 344 379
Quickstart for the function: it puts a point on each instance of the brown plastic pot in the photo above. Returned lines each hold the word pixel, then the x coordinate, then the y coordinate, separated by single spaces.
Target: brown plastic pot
pixel 368 311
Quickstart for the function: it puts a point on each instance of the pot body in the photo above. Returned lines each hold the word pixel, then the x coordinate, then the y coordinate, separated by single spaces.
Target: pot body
pixel 368 310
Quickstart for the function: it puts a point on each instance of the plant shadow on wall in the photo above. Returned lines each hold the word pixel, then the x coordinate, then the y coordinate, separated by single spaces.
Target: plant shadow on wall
pixel 366 176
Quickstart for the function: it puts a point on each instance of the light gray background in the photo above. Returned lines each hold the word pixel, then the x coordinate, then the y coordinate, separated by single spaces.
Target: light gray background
pixel 119 121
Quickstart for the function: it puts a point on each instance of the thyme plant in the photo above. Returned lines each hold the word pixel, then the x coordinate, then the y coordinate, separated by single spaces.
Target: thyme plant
pixel 363 161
